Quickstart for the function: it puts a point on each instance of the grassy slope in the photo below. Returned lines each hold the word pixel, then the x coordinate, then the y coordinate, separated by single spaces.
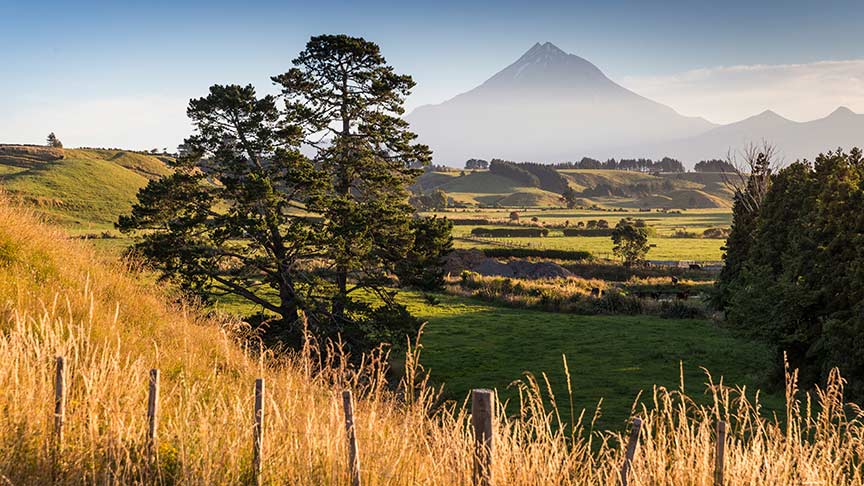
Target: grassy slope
pixel 87 189
pixel 472 344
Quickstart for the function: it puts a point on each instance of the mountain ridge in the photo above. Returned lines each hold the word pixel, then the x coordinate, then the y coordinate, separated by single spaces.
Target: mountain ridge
pixel 551 106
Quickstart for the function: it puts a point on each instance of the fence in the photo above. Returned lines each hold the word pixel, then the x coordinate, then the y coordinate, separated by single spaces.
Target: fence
pixel 483 407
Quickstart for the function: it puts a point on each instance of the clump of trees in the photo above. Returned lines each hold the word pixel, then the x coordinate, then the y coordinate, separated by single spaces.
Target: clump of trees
pixel 548 178
pixel 666 164
pixel 472 164
pixel 435 200
pixel 570 197
pixel 630 242
pixel 512 171
pixel 245 213
pixel 794 271
pixel 53 142
pixel 714 165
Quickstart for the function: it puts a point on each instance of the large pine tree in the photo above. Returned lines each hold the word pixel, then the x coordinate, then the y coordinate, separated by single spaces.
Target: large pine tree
pixel 246 213
pixel 349 102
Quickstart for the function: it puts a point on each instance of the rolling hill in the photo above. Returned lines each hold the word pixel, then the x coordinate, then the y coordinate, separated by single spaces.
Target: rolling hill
pixel 605 188
pixel 82 188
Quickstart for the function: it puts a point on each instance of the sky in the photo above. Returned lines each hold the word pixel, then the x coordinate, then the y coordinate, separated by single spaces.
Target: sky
pixel 120 74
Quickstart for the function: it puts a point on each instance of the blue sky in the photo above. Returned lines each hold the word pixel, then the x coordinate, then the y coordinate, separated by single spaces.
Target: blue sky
pixel 120 73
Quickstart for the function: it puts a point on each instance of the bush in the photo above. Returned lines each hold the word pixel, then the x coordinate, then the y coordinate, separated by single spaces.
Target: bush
pixel 678 309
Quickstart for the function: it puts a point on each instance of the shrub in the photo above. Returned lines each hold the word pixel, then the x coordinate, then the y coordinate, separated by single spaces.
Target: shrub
pixel 678 309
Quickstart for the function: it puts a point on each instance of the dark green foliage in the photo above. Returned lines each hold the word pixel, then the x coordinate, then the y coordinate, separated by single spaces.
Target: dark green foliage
pixel 668 164
pixel 630 242
pixel 714 165
pixel 512 171
pixel 423 266
pixel 435 200
pixel 472 164
pixel 220 224
pixel 549 179
pixel 510 232
pixel 53 142
pixel 341 86
pixel 570 197
pixel 745 208
pixel 800 280
pixel 245 213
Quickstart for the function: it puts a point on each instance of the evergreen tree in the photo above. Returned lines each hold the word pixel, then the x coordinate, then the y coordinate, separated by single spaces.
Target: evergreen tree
pixel 349 101
pixel 223 222
pixel 53 141
pixel 244 212
pixel 423 266
pixel 749 189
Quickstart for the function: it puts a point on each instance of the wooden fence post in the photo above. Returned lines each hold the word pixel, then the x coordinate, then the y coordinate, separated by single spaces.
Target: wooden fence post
pixel 153 413
pixel 258 432
pixel 482 408
pixel 631 450
pixel 59 409
pixel 719 452
pixel 353 451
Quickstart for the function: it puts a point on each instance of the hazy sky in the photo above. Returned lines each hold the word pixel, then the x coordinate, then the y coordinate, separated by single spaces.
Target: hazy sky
pixel 121 73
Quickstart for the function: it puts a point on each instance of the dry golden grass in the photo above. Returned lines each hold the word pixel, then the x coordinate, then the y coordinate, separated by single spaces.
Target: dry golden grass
pixel 58 298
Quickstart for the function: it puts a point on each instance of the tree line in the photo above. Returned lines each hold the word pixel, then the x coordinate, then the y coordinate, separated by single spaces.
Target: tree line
pixel 666 164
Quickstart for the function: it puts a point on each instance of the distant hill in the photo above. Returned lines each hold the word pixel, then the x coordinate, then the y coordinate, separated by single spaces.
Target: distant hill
pixel 605 188
pixel 77 187
pixel 547 106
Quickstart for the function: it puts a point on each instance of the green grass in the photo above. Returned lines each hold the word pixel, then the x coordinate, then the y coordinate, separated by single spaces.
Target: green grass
pixel 468 343
pixel 87 190
pixel 665 224
pixel 472 344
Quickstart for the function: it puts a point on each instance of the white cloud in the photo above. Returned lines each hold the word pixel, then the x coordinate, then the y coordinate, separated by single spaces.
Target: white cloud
pixel 800 92
pixel 127 122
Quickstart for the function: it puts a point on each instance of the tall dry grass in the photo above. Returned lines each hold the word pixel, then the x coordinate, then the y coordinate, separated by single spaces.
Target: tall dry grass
pixel 58 298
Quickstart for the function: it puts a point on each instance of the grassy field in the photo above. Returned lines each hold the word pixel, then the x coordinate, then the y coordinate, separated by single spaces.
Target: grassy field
pixel 664 224
pixel 472 344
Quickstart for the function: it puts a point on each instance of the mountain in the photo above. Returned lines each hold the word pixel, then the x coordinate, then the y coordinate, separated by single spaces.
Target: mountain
pixel 793 140
pixel 547 106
